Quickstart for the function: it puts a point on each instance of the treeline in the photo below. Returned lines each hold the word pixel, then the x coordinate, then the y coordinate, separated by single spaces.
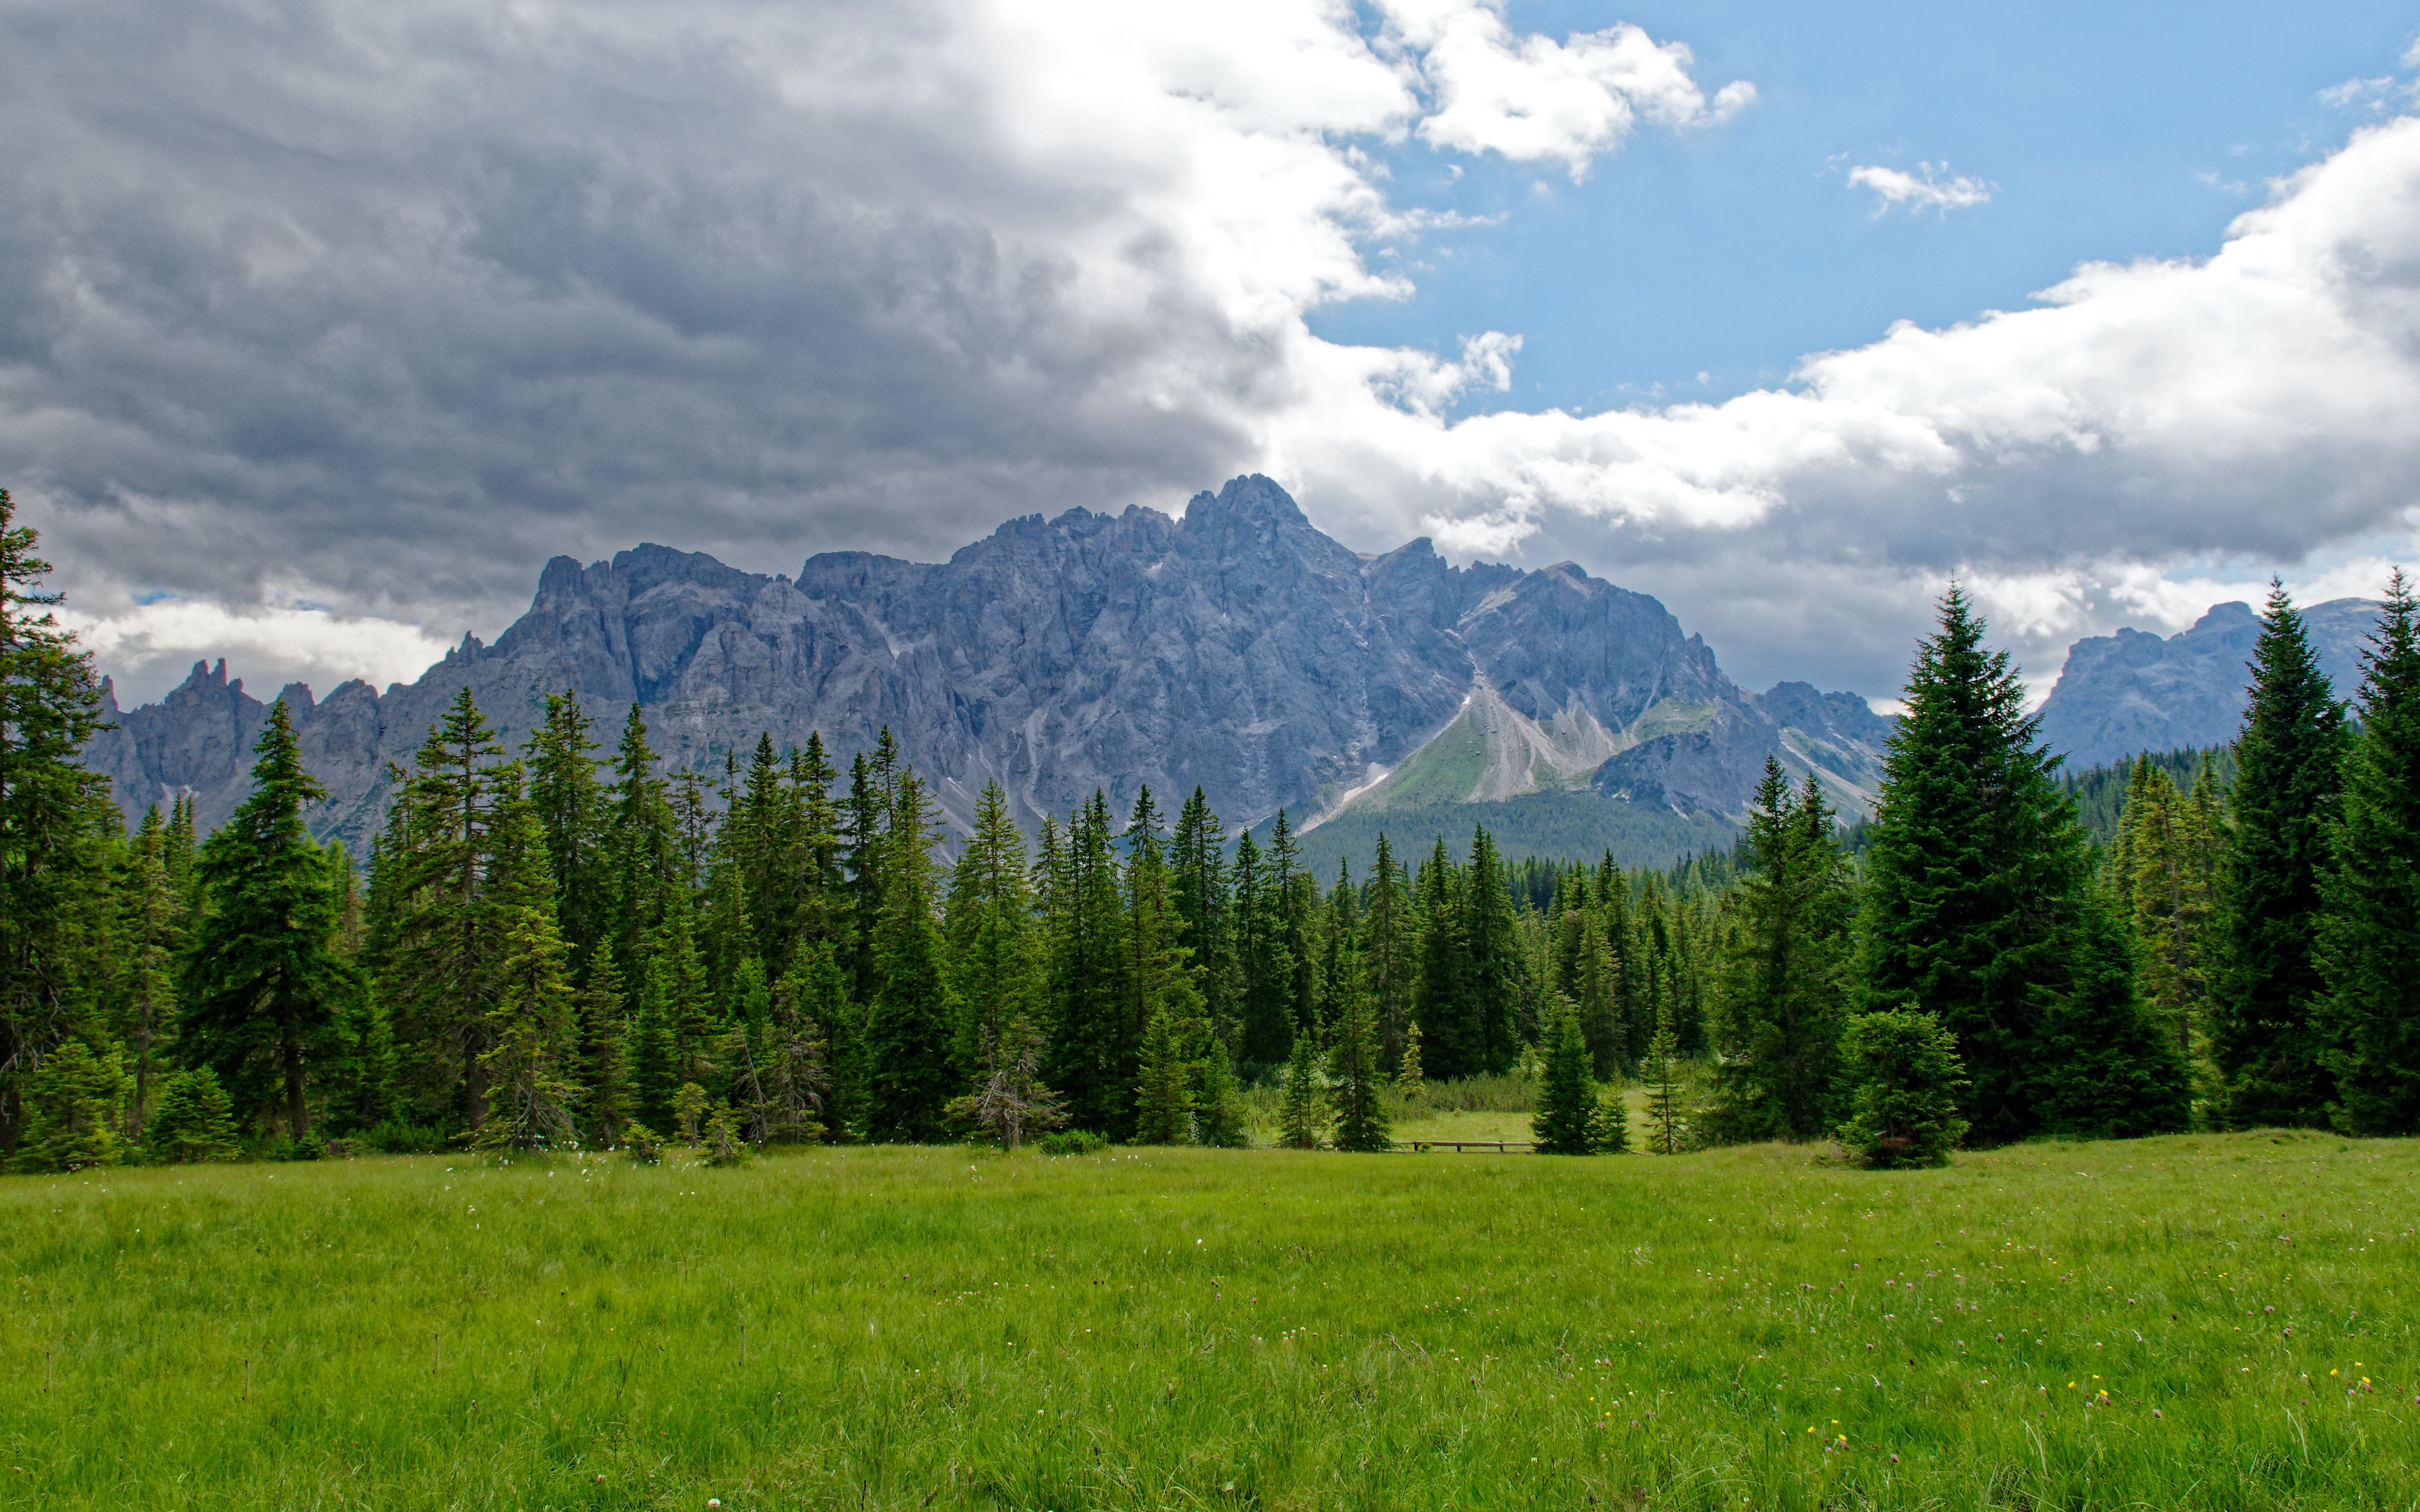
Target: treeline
pixel 568 945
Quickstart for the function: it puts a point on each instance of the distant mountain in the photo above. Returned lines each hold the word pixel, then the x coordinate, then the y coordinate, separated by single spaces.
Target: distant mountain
pixel 1237 648
pixel 2135 691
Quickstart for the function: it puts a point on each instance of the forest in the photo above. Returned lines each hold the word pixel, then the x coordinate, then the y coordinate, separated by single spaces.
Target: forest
pixel 567 946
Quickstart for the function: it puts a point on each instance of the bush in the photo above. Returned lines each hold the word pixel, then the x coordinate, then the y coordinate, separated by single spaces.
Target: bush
pixel 721 1135
pixel 1072 1142
pixel 643 1144
pixel 72 1102
pixel 1906 1075
pixel 396 1137
pixel 191 1121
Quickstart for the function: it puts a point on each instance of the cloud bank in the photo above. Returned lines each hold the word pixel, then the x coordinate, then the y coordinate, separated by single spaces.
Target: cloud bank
pixel 373 307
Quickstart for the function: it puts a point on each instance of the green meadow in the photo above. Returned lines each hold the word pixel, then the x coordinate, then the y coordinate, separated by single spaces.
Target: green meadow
pixel 2202 1321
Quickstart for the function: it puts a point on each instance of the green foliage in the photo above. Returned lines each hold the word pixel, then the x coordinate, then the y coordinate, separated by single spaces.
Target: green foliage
pixel 1567 1094
pixel 1907 1081
pixel 720 1137
pixel 1072 1142
pixel 2370 935
pixel 2163 872
pixel 263 987
pixel 72 1111
pixel 1411 1077
pixel 1163 1087
pixel 1217 1101
pixel 2263 1033
pixel 1357 1090
pixel 642 1143
pixel 530 1040
pixel 689 1106
pixel 1609 1128
pixel 1672 1121
pixel 1782 986
pixel 1010 1102
pixel 192 1121
pixel 1302 1113
pixel 2113 1070
pixel 1976 873
pixel 909 1030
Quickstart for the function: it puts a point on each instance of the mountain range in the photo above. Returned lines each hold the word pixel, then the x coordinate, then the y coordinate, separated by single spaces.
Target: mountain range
pixel 1236 648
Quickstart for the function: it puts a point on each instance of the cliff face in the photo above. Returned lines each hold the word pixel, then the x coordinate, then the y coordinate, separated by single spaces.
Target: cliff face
pixel 2134 691
pixel 1238 649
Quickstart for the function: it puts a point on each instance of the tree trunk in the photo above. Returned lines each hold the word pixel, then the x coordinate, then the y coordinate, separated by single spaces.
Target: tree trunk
pixel 297 1115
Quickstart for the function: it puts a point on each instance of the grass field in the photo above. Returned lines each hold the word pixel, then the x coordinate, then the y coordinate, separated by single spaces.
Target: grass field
pixel 940 1327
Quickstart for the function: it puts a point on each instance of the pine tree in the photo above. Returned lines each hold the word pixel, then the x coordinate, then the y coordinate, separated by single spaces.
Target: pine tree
pixel 908 1027
pixel 2160 871
pixel 1094 1041
pixel 54 818
pixel 72 1103
pixel 1217 1104
pixel 1907 1078
pixel 1267 961
pixel 569 802
pixel 1782 993
pixel 640 851
pixel 1301 1110
pixel 2284 800
pixel 1565 1123
pixel 989 924
pixel 1389 963
pixel 530 1039
pixel 150 933
pixel 1410 1079
pixel 2118 1075
pixel 193 1120
pixel 655 1065
pixel 2369 936
pixel 1496 973
pixel 608 1100
pixel 798 1077
pixel 1163 1085
pixel 1011 1101
pixel 1199 884
pixel 1442 997
pixel 1668 1122
pixel 1609 1132
pixel 1976 872
pixel 262 983
pixel 1356 1093
pixel 839 1026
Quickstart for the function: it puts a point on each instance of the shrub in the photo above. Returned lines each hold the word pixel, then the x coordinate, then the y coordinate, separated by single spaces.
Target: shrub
pixel 191 1121
pixel 645 1146
pixel 72 1102
pixel 1906 1077
pixel 1072 1142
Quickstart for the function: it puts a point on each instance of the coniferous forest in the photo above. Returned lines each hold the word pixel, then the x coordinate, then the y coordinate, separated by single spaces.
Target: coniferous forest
pixel 567 945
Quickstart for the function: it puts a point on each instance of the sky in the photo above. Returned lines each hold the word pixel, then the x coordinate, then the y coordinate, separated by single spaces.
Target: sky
pixel 324 323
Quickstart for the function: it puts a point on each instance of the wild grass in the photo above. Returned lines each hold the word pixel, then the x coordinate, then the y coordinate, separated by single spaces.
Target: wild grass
pixel 940 1327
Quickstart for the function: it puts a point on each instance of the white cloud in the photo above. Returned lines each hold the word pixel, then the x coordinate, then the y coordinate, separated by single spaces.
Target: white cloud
pixel 148 646
pixel 1931 187
pixel 1532 97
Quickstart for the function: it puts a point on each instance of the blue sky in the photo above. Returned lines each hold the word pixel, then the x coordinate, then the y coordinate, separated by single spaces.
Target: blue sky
pixel 2107 132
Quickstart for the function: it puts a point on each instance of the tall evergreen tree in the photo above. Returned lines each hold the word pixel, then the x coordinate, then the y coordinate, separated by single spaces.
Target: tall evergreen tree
pixel 72 1102
pixel 1496 973
pixel 1357 1079
pixel 262 983
pixel 1976 868
pixel 909 1022
pixel 2369 936
pixel 641 852
pixel 1783 994
pixel 1443 999
pixel 1302 1113
pixel 1095 1042
pixel 569 802
pixel 608 1101
pixel 1266 959
pixel 54 818
pixel 2270 1051
pixel 1163 1085
pixel 530 1041
pixel 1565 1123
pixel 1670 1130
pixel 1200 884
pixel 2113 1070
pixel 994 954
pixel 150 933
pixel 1389 962
pixel 2162 874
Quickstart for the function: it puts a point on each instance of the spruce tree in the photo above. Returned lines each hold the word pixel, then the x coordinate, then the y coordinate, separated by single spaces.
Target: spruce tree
pixel 569 802
pixel 1496 973
pixel 1442 996
pixel 1357 1094
pixel 1158 978
pixel 1266 959
pixel 1201 886
pixel 1217 1104
pixel 72 1104
pixel 994 957
pixel 2118 1075
pixel 797 1076
pixel 192 1121
pixel 1670 1130
pixel 1411 1079
pixel 530 1040
pixel 2270 1051
pixel 263 986
pixel 1301 1110
pixel 2369 936
pixel 53 819
pixel 1565 1122
pixel 1094 1041
pixel 1907 1080
pixel 839 1026
pixel 150 933
pixel 1975 872
pixel 2162 871
pixel 908 1066
pixel 1609 1132
pixel 1010 1102
pixel 608 1100
pixel 1782 992
pixel 1163 1087
pixel 1389 962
